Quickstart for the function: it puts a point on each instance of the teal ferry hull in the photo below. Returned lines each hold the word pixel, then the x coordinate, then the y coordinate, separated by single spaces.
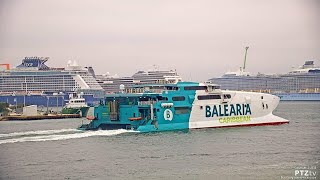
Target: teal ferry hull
pixel 143 128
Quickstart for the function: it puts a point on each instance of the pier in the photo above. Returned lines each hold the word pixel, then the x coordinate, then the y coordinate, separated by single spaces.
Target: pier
pixel 38 117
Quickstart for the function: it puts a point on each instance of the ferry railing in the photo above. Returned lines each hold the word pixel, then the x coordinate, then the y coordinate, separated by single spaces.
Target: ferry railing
pixel 146 103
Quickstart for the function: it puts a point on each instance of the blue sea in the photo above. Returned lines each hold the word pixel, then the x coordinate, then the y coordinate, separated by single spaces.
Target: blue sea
pixel 54 149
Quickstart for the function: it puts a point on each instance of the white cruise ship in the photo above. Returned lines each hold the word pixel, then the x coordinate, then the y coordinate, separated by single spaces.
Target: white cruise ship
pixel 111 84
pixel 300 84
pixel 33 77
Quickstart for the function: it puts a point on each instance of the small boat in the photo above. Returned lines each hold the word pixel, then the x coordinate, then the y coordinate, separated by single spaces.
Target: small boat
pixel 76 105
pixel 185 105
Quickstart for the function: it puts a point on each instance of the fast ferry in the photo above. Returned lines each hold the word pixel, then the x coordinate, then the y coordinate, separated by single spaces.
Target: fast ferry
pixel 185 105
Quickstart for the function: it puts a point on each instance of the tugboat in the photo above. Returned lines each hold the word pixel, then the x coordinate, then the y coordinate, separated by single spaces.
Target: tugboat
pixel 185 105
pixel 76 105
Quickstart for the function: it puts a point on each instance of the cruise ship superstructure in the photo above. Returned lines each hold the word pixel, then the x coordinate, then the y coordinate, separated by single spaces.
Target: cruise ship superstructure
pixel 112 84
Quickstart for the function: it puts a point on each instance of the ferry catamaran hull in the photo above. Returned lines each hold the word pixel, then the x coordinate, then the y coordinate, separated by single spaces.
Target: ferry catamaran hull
pixel 184 105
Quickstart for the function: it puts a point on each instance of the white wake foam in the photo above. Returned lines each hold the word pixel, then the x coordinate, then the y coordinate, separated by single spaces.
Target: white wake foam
pixel 55 137
pixel 38 132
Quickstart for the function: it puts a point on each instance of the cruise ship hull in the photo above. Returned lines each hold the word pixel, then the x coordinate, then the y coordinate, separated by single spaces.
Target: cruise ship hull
pixel 43 100
pixel 299 96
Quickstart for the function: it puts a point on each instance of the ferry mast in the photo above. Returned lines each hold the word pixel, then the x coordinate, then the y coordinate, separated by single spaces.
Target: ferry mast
pixel 245 59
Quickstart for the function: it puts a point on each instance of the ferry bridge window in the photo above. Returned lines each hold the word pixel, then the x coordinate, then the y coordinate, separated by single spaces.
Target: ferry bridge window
pixel 206 97
pixel 144 98
pixel 227 96
pixel 195 88
pixel 172 88
pixel 178 98
pixel 161 98
pixel 181 110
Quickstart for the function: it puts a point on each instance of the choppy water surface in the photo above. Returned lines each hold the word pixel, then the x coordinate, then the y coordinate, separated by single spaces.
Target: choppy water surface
pixel 54 149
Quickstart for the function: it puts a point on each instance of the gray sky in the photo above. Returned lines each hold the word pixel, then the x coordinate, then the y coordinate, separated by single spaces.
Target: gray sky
pixel 199 38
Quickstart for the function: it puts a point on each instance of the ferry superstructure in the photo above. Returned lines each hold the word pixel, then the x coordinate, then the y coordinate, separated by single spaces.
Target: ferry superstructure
pixel 302 83
pixel 33 77
pixel 185 105
pixel 111 84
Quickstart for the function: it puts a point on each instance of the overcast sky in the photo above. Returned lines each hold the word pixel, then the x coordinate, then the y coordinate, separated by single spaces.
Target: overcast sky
pixel 201 39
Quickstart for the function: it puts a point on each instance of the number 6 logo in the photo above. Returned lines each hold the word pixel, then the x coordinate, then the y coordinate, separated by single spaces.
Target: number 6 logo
pixel 167 114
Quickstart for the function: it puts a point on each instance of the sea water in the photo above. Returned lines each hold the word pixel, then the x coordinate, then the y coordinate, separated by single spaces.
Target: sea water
pixel 54 149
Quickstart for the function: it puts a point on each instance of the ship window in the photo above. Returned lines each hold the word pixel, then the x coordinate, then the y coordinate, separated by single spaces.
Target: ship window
pixel 143 99
pixel 195 88
pixel 178 98
pixel 181 110
pixel 227 96
pixel 205 97
pixel 160 98
pixel 172 88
